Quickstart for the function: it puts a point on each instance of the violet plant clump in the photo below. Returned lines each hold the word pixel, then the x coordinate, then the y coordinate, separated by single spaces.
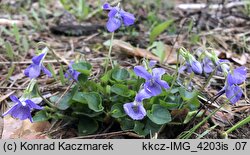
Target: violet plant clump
pixel 144 99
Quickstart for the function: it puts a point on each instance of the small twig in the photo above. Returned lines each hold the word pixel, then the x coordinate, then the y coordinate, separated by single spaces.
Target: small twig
pixel 12 88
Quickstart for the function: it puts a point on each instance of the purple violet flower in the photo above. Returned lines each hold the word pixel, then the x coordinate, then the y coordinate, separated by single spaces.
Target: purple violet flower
pixel 72 73
pixel 232 90
pixel 233 93
pixel 194 66
pixel 238 76
pixel 226 67
pixel 22 110
pixel 142 94
pixel 207 65
pixel 117 16
pixel 152 63
pixel 135 110
pixel 153 84
pixel 34 70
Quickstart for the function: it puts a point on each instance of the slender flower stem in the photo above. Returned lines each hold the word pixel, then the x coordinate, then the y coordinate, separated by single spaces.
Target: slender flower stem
pixel 47 101
pixel 175 75
pixel 236 126
pixel 189 133
pixel 176 70
pixel 109 54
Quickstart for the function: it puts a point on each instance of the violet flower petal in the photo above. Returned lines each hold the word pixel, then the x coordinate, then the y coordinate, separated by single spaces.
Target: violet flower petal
pixel 207 65
pixel 238 76
pixel 162 83
pixel 46 71
pixel 34 71
pixel 113 24
pixel 158 72
pixel 128 18
pixel 14 99
pixel 37 59
pixel 152 88
pixel 233 93
pixel 142 72
pixel 22 113
pixel 152 63
pixel 142 94
pixel 196 67
pixel 135 112
pixel 106 6
pixel 27 70
pixel 32 105
pixel 113 13
pixel 10 110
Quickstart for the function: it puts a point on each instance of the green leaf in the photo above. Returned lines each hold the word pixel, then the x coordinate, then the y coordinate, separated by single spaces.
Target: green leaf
pixel 159 50
pixel 82 67
pixel 168 105
pixel 159 29
pixel 194 103
pixel 117 110
pixel 40 116
pixel 127 124
pixel 191 114
pixel 9 50
pixel 79 97
pixel 121 90
pixel 106 77
pixel 120 74
pixel 93 100
pixel 82 78
pixel 66 101
pixel 186 95
pixel 151 127
pixel 159 114
pixel 87 126
pixel 139 128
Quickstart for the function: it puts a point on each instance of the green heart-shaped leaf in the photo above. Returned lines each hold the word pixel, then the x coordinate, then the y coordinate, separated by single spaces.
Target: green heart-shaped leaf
pixel 93 100
pixel 82 67
pixel 120 74
pixel 117 110
pixel 121 90
pixel 159 114
pixel 87 126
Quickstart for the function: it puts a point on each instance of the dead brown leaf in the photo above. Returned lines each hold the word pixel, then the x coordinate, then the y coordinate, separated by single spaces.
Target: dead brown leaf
pixel 222 118
pixel 134 51
pixel 143 53
pixel 14 128
pixel 241 60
